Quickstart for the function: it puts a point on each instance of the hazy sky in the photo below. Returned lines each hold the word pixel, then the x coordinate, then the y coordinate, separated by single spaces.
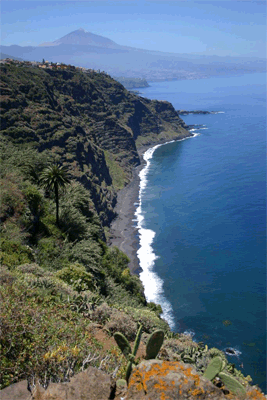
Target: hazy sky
pixel 231 27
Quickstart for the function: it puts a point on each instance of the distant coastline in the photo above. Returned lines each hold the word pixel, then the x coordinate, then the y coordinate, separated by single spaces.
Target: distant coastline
pixel 184 112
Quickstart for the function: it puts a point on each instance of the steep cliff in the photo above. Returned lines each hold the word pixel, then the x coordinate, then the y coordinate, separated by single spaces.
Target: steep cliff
pixel 88 120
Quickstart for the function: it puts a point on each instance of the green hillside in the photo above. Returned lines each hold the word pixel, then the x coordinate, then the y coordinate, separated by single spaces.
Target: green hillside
pixel 89 124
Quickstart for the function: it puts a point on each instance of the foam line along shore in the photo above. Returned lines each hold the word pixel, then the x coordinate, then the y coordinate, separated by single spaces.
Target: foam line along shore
pixel 153 284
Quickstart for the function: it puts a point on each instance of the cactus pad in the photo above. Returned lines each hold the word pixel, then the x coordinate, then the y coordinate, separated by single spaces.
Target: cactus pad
pixel 232 384
pixel 128 371
pixel 121 383
pixel 137 340
pixel 123 344
pixel 154 344
pixel 214 367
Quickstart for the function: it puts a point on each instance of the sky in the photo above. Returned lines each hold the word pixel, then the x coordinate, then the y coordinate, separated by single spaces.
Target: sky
pixel 223 28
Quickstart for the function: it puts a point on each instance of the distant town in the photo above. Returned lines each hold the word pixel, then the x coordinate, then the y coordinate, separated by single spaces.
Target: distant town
pixel 47 65
pixel 128 83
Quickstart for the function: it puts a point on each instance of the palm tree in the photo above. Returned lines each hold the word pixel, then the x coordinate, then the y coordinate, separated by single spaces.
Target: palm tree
pixel 52 178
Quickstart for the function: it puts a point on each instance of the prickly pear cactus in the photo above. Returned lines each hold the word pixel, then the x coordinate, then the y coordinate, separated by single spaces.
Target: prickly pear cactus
pixel 137 340
pixel 125 347
pixel 224 364
pixel 189 360
pixel 154 344
pixel 232 384
pixel 121 383
pixel 128 371
pixel 123 344
pixel 213 369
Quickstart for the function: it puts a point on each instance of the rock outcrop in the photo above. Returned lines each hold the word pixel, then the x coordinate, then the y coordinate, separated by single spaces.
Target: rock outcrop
pixel 150 380
pixel 159 380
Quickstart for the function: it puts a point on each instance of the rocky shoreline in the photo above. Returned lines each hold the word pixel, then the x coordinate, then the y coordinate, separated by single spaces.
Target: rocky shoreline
pixel 123 234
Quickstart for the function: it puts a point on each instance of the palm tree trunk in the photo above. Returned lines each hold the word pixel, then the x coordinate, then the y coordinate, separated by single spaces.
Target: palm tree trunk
pixel 57 203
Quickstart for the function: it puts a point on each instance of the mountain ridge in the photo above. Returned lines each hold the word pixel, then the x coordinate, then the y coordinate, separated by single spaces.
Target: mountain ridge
pixel 82 37
pixel 89 50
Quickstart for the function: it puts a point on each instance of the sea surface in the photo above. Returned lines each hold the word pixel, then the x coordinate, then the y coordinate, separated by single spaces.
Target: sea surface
pixel 202 218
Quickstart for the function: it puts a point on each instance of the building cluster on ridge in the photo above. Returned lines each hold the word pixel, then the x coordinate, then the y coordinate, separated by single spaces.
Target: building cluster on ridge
pixel 47 65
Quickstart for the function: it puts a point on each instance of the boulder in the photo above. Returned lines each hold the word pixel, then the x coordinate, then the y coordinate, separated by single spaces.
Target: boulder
pixel 157 380
pixel 16 391
pixel 90 384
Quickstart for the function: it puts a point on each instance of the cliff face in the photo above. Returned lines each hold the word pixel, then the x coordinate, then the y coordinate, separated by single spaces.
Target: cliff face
pixel 88 121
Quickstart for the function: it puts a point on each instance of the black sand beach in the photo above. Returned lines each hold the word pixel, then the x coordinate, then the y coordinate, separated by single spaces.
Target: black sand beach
pixel 123 233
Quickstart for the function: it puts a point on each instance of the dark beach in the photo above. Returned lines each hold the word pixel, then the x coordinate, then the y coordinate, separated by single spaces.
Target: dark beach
pixel 123 232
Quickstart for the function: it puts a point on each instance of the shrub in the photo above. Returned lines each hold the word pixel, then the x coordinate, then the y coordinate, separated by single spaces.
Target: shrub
pixel 40 338
pixel 52 289
pixel 102 314
pixel 49 253
pixel 155 307
pixel 86 252
pixel 12 199
pixel 118 295
pixel 13 253
pixel 148 319
pixel 34 199
pixel 121 322
pixel 76 276
pixel 174 347
pixel 73 223
pixel 116 263
pixel 6 276
pixel 33 268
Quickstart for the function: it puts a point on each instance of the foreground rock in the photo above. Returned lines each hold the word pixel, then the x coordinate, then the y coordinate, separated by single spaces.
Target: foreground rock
pixel 17 391
pixel 91 384
pixel 159 380
pixel 150 380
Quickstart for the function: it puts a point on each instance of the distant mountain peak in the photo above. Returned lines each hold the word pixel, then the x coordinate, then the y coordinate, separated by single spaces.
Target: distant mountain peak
pixel 83 38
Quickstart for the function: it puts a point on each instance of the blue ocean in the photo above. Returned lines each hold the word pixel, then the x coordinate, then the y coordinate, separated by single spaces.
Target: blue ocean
pixel 202 218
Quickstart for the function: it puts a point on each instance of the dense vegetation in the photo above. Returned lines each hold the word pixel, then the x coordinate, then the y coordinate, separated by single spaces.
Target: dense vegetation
pixel 54 275
pixel 68 143
pixel 59 280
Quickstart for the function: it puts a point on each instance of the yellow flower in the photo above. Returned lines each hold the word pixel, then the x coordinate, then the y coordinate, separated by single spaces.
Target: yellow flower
pixel 75 350
pixel 60 358
pixel 47 356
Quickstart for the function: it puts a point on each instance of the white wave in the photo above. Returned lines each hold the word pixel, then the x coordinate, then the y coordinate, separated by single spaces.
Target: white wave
pixel 189 333
pixel 218 112
pixel 153 284
pixel 195 134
